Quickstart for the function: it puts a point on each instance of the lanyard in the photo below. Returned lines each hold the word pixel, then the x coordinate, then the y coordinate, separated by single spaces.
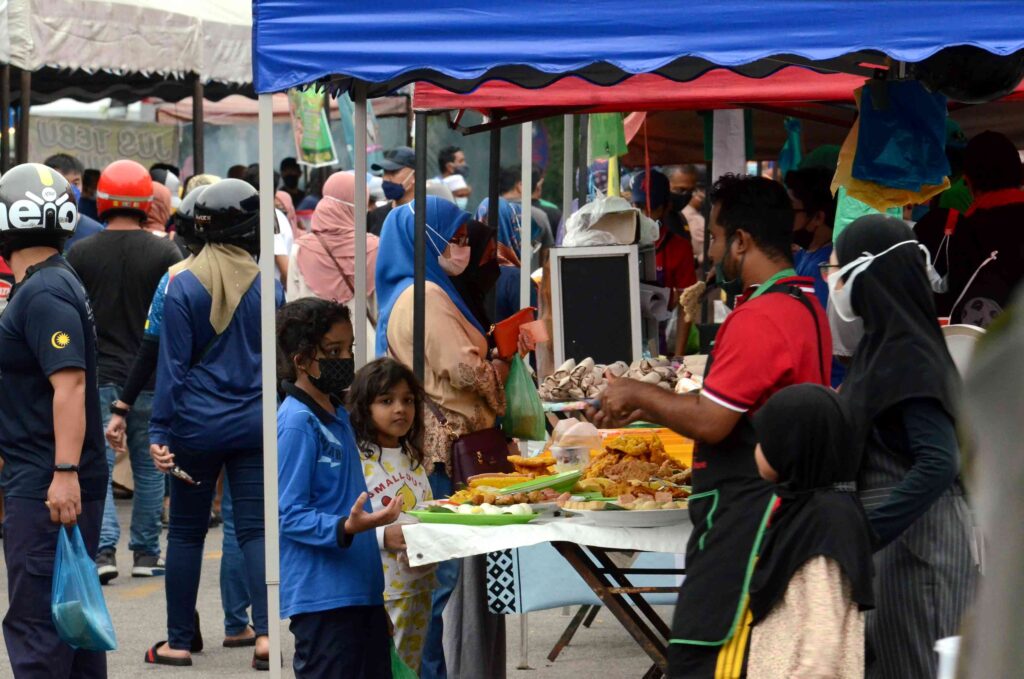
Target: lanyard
pixel 785 273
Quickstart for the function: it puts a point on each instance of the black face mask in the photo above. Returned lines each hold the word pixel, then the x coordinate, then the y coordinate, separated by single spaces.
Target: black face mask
pixel 291 181
pixel 336 375
pixel 803 238
pixel 682 198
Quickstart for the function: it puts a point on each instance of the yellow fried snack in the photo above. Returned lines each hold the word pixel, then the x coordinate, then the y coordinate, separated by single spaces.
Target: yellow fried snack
pixel 497 480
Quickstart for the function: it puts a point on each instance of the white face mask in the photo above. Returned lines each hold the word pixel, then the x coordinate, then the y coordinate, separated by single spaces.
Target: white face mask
pixel 462 202
pixel 846 335
pixel 843 299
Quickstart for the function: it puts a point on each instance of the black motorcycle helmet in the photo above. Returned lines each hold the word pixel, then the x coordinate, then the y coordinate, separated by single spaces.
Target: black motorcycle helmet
pixel 229 212
pixel 185 220
pixel 37 208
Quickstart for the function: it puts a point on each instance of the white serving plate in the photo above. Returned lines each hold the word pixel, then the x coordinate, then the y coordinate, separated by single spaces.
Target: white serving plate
pixel 633 518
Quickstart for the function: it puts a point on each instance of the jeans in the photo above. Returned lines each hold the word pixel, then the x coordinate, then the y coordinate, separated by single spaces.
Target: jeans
pixel 234 588
pixel 34 649
pixel 148 496
pixel 433 665
pixel 190 520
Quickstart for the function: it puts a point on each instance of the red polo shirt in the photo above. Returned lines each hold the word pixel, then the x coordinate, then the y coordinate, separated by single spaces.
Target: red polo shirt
pixel 766 344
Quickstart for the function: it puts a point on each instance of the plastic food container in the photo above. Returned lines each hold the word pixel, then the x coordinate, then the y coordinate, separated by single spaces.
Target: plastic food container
pixel 570 459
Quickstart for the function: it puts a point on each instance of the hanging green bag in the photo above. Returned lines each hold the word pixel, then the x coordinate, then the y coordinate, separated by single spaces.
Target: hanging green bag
pixel 524 414
pixel 399 670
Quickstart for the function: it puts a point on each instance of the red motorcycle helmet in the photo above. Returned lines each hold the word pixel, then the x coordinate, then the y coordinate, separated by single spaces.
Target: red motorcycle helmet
pixel 124 187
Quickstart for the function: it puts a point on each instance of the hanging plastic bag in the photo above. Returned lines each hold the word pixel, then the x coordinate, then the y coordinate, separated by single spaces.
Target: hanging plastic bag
pixel 902 142
pixel 76 600
pixel 524 414
pixel 399 670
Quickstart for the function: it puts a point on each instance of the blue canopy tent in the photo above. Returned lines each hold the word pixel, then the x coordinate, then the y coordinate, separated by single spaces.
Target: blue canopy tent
pixel 370 49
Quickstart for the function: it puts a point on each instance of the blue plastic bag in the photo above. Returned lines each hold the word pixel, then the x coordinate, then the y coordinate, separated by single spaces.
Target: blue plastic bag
pixel 902 142
pixel 76 599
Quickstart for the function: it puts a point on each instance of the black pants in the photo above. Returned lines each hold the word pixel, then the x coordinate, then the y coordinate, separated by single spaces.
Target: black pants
pixel 30 546
pixel 342 643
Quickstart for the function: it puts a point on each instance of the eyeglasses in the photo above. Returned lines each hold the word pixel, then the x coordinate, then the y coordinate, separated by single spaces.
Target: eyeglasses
pixel 826 268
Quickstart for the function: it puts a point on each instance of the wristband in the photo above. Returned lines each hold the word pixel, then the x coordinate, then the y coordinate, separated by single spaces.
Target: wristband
pixel 118 410
pixel 65 467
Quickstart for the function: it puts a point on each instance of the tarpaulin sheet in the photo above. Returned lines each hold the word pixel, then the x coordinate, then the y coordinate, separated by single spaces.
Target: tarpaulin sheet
pixel 459 44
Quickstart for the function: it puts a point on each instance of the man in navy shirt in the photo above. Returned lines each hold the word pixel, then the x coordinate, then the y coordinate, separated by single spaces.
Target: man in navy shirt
pixel 71 169
pixel 51 440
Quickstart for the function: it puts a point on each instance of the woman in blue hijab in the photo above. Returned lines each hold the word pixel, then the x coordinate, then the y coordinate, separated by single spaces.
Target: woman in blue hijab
pixel 466 387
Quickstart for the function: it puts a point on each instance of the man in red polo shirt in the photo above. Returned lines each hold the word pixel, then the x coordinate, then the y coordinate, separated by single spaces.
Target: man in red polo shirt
pixel 777 336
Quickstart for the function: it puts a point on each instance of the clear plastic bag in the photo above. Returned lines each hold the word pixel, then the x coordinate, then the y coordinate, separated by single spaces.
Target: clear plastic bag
pixel 524 413
pixel 608 220
pixel 76 599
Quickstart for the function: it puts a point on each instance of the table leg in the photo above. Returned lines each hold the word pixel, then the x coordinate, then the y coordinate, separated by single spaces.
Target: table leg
pixel 569 632
pixel 654 673
pixel 594 610
pixel 524 643
pixel 648 639
pixel 638 599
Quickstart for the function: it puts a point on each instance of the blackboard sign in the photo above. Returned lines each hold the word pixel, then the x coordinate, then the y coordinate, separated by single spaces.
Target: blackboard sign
pixel 597 304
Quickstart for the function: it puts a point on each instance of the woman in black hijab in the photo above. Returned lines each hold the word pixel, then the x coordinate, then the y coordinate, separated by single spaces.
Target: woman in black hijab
pixel 900 391
pixel 813 576
pixel 476 283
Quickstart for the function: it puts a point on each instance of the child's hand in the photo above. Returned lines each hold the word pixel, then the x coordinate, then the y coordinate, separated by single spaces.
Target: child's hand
pixel 360 520
pixel 394 539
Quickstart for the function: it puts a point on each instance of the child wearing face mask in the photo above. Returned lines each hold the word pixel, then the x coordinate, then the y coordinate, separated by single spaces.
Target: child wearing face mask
pixel 332 580
pixel 386 407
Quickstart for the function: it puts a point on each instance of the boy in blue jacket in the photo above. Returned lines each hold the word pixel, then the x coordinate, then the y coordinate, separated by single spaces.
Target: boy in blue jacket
pixel 332 581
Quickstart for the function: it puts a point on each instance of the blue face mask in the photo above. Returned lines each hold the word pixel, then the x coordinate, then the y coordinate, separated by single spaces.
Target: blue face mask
pixel 392 190
pixel 77 193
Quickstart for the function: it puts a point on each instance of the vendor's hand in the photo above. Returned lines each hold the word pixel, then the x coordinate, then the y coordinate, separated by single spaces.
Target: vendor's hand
pixel 360 520
pixel 501 368
pixel 618 406
pixel 117 434
pixel 394 539
pixel 64 498
pixel 162 457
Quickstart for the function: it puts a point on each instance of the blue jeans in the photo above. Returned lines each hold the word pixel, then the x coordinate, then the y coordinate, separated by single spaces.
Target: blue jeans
pixel 234 588
pixel 190 520
pixel 433 666
pixel 148 495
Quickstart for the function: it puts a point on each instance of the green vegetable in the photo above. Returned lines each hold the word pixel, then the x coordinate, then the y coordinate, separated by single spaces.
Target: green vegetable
pixel 438 509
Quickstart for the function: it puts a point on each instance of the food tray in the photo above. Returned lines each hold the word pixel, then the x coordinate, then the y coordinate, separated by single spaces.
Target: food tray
pixel 473 519
pixel 558 482
pixel 633 518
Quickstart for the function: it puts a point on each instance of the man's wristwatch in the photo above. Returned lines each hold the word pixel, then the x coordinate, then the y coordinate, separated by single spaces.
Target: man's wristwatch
pixel 64 467
pixel 118 410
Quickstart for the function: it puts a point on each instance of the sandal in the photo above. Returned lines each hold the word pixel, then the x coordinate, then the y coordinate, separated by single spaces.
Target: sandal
pixel 154 658
pixel 261 663
pixel 241 642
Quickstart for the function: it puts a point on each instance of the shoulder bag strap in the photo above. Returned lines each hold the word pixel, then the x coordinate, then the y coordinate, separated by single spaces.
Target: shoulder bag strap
pixel 798 294
pixel 344 276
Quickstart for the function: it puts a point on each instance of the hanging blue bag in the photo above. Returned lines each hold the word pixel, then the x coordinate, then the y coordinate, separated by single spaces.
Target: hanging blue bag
pixel 902 142
pixel 76 599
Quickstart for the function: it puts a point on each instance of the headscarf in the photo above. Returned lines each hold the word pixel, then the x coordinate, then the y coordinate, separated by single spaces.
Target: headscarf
pixel 159 210
pixel 396 265
pixel 903 354
pixel 226 272
pixel 804 435
pixel 334 222
pixel 477 281
pixel 195 181
pixel 289 212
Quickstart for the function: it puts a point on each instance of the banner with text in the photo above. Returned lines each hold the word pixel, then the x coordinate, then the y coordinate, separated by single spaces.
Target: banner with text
pixel 97 143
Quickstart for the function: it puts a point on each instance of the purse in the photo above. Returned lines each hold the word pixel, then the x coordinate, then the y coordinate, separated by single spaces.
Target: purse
pixel 480 452
pixel 506 332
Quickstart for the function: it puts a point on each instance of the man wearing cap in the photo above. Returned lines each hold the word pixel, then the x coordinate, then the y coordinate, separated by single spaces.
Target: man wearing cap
pixel 456 183
pixel 399 184
pixel 120 268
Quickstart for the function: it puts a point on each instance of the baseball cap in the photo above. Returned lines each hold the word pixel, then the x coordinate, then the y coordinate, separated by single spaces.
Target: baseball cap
pixel 396 159
pixel 658 188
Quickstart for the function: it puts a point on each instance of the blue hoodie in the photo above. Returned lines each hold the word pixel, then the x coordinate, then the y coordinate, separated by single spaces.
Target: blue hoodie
pixel 320 477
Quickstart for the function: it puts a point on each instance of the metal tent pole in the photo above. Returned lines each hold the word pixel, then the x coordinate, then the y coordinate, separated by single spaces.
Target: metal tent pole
pixel 567 165
pixel 359 149
pixel 420 248
pixel 526 223
pixel 25 102
pixel 493 180
pixel 5 118
pixel 198 151
pixel 584 175
pixel 268 347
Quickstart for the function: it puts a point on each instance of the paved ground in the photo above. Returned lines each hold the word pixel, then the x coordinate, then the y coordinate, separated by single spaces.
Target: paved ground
pixel 139 612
